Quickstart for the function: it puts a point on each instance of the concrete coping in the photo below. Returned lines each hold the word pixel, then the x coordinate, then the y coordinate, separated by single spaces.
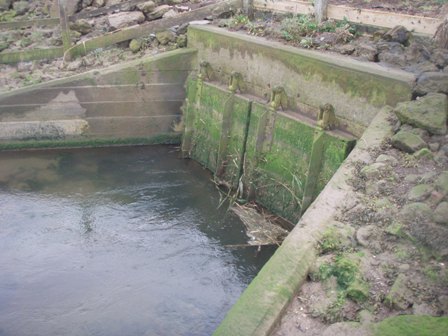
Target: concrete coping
pixel 261 305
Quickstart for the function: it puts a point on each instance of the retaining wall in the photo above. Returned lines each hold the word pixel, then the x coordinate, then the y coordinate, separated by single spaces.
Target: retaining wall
pixel 138 102
pixel 357 90
pixel 279 159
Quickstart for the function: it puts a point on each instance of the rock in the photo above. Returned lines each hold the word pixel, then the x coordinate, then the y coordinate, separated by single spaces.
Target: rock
pixel 391 53
pixel 421 67
pixel 395 229
pixel 441 213
pixel 125 19
pixel 146 7
pixel 374 170
pixel 363 235
pixel 428 112
pixel 441 183
pixel 387 159
pixel 403 268
pixel 181 41
pixel 4 45
pixel 417 131
pixel 417 52
pixel 86 3
pixel 135 45
pixel 399 296
pixel 413 212
pixel 366 52
pixel 26 42
pixel 113 2
pixel 72 7
pixel 75 65
pixel 407 142
pixel 24 66
pixel 82 26
pixel 423 153
pixel 434 146
pixel 440 58
pixel 21 7
pixel 344 49
pixel 412 178
pixel 165 37
pixel 170 13
pixel 435 198
pixel 420 192
pixel 158 12
pixel 424 309
pixel 223 11
pixel 5 4
pixel 432 82
pixel 98 3
pixel 398 34
pixel 200 22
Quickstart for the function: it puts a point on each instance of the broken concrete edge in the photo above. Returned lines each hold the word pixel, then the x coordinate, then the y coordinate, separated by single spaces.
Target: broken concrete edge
pixel 260 307
pixel 125 34
pixel 92 74
pixel 159 139
pixel 31 55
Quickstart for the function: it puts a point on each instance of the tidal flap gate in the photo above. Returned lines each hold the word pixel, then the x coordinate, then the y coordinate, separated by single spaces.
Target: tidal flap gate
pixel 277 158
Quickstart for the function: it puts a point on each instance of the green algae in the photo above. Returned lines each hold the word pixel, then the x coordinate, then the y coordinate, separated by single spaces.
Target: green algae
pixel 415 325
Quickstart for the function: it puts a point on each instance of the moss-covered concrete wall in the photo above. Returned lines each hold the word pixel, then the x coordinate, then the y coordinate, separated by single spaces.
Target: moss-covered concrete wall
pixel 356 89
pixel 270 154
pixel 135 102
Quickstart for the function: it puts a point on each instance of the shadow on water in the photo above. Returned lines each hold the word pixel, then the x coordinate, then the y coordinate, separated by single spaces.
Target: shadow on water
pixel 116 241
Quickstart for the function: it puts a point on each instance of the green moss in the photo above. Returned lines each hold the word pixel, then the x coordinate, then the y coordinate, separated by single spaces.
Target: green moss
pixel 31 55
pixel 414 325
pixel 161 139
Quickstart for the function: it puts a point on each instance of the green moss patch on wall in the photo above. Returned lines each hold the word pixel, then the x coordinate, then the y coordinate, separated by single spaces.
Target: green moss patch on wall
pixel 160 139
pixel 246 143
pixel 215 129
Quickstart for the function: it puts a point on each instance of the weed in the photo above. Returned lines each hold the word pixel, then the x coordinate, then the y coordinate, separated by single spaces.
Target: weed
pixel 330 241
pixel 298 27
pixel 239 21
pixel 344 269
pixel 7 15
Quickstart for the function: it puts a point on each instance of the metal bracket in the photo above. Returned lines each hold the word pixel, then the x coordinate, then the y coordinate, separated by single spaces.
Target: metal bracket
pixel 326 118
pixel 236 82
pixel 278 98
pixel 205 70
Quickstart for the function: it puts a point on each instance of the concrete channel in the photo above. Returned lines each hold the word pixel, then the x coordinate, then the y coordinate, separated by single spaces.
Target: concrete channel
pixel 258 103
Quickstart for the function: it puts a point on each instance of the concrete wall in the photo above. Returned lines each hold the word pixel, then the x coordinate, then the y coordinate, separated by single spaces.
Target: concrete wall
pixel 136 102
pixel 356 89
pixel 278 159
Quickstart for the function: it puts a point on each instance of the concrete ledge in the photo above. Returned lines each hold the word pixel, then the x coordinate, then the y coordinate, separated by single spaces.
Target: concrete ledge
pixel 262 303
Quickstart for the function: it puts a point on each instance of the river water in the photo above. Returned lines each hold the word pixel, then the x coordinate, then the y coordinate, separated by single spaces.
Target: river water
pixel 116 241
